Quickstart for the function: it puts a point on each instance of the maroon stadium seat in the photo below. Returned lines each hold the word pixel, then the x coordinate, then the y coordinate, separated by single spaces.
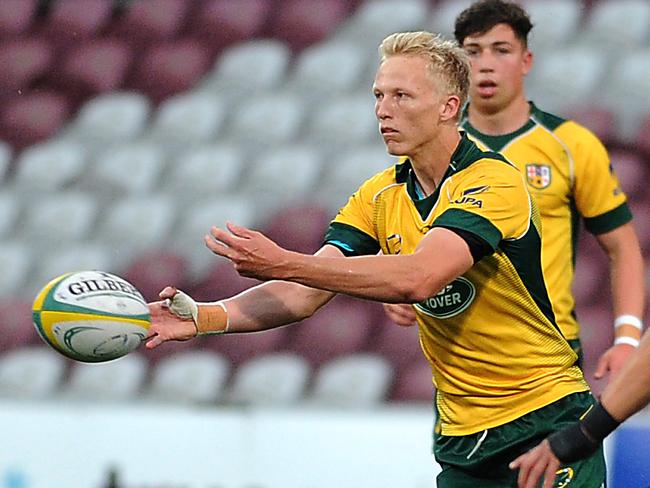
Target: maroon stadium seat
pixel 221 281
pixel 641 212
pixel 16 324
pixel 76 20
pixel 590 279
pixel 16 16
pixel 596 335
pixel 631 170
pixel 303 23
pixel 642 136
pixel 400 345
pixel 151 21
pixel 340 327
pixel 222 22
pixel 299 228
pixel 23 61
pixel 414 383
pixel 94 67
pixel 169 68
pixel 34 117
pixel 152 271
pixel 242 347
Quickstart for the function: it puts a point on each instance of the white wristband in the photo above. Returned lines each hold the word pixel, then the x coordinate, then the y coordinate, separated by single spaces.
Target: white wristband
pixel 630 341
pixel 628 320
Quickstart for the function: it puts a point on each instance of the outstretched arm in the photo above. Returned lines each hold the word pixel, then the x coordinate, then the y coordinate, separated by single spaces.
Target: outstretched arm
pixel 628 295
pixel 441 256
pixel 266 306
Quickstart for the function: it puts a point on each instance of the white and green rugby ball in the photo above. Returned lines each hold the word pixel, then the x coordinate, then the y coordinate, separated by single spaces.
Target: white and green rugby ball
pixel 91 316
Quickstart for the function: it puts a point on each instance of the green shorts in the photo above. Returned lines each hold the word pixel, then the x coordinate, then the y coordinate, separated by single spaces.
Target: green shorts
pixel 481 459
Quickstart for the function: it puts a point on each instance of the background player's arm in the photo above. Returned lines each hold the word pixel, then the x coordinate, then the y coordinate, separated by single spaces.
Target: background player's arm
pixel 440 257
pixel 628 290
pixel 262 307
pixel 625 395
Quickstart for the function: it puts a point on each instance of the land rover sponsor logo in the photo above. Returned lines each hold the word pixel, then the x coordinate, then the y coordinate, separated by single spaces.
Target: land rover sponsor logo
pixel 450 301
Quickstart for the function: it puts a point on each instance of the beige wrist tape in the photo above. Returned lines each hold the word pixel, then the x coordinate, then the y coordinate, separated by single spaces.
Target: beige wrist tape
pixel 208 318
pixel 212 318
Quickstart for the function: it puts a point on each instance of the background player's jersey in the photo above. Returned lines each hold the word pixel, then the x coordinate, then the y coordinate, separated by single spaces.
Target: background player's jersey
pixel 568 172
pixel 490 335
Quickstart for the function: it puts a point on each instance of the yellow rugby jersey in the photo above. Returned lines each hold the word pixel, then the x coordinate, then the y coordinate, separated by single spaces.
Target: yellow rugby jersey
pixel 490 335
pixel 568 172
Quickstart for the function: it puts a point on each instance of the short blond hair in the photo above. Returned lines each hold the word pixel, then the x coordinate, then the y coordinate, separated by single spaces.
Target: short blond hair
pixel 448 62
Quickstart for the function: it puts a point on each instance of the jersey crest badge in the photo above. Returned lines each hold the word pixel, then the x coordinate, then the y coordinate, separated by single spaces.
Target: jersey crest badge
pixel 538 175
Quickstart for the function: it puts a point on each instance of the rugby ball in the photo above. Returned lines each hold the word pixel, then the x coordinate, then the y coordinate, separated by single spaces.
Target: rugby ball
pixel 91 316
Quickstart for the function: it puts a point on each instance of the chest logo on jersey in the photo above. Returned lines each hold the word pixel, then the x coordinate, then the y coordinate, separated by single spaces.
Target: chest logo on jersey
pixel 538 175
pixel 450 301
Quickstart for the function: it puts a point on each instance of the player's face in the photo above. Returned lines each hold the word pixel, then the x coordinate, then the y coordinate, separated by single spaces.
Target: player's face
pixel 499 62
pixel 407 104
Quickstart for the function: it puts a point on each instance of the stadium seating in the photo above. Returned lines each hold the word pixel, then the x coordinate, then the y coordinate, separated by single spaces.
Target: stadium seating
pixel 23 61
pixel 31 373
pixel 153 20
pixel 135 225
pixel 34 117
pixel 615 25
pixel 268 181
pixel 189 377
pixel 71 21
pixel 188 119
pixel 300 227
pixel 202 171
pixel 331 67
pixel 232 71
pixel 346 121
pixel 50 166
pixel 97 66
pixel 374 20
pixel 109 118
pixel 341 327
pixel 220 23
pixel 242 348
pixel 168 68
pixel 140 124
pixel 128 169
pixel 150 271
pixel 16 16
pixel 302 24
pixel 357 380
pixel 556 23
pixel 401 345
pixel 274 379
pixel 114 381
pixel 16 319
pixel 413 383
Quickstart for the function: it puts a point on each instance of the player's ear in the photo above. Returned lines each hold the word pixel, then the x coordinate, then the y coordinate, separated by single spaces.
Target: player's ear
pixel 527 63
pixel 450 107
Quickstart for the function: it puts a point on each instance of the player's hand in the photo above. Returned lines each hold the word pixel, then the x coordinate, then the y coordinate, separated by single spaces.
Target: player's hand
pixel 538 463
pixel 613 360
pixel 252 253
pixel 402 314
pixel 167 325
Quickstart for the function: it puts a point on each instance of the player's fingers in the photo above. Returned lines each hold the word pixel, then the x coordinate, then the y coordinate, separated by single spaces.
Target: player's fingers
pixel 218 248
pixel 549 474
pixel 239 231
pixel 601 367
pixel 168 292
pixel 534 473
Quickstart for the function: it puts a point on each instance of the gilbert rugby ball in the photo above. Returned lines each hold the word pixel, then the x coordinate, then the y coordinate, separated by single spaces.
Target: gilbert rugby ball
pixel 91 316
